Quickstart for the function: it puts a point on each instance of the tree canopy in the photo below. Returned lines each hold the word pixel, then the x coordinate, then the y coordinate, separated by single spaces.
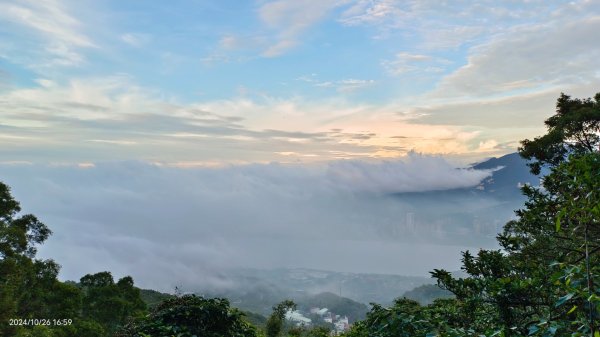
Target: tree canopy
pixel 189 316
pixel 573 129
pixel 30 289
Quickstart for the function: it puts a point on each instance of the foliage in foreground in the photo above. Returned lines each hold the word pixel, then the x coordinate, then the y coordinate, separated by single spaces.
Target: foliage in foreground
pixel 189 316
pixel 544 280
pixel 29 288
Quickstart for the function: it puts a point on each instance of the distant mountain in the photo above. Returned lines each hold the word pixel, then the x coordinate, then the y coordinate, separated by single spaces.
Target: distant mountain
pixel 255 319
pixel 256 303
pixel 465 216
pixel 510 172
pixel 257 290
pixel 152 297
pixel 338 305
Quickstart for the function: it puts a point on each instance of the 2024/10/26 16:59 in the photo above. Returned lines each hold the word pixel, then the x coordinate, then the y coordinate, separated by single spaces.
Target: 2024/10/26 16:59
pixel 39 321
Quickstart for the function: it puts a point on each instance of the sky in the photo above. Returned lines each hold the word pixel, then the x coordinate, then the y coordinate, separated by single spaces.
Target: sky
pixel 359 97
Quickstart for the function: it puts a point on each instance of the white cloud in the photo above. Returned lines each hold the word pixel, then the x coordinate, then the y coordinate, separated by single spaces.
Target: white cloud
pixel 128 217
pixel 351 84
pixel 449 37
pixel 135 122
pixel 342 86
pixel 113 141
pixel 46 83
pixel 290 18
pixel 48 17
pixel 371 12
pixel 406 62
pixel 60 32
pixel 520 111
pixel 229 42
pixel 555 55
pixel 136 39
pixel 435 25
pixel 89 115
pixel 487 145
pixel 62 55
pixel 280 47
pixel 416 173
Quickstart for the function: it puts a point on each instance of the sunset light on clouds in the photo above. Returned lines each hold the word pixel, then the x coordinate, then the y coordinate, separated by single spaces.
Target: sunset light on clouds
pixel 242 82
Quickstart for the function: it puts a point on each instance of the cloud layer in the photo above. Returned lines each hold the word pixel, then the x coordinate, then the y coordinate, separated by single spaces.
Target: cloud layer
pixel 165 224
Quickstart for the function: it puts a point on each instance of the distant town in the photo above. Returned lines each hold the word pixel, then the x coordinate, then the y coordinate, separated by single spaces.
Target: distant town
pixel 320 317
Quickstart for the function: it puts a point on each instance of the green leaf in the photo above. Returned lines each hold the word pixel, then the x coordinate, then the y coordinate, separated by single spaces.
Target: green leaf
pixel 563 299
pixel 533 329
pixel 572 309
pixel 560 215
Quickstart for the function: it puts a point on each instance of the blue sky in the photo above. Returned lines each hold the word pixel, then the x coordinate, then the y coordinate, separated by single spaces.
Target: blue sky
pixel 211 82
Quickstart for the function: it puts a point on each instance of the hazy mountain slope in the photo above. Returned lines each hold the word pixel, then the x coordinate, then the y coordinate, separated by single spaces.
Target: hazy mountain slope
pixel 336 304
pixel 427 293
pixel 466 216
pixel 153 297
pixel 511 171
pixel 258 290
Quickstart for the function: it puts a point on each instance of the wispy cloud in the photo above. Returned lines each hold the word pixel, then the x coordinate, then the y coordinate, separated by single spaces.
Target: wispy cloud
pixel 351 84
pixel 114 111
pixel 408 63
pixel 50 22
pixel 291 18
pixel 114 118
pixel 448 25
pixel 371 12
pixel 136 39
pixel 47 17
pixel 342 86
pixel 540 63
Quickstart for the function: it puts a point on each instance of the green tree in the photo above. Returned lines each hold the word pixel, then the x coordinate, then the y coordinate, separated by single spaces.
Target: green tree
pixel 509 292
pixel 23 279
pixel 318 331
pixel 108 303
pixel 407 318
pixel 578 219
pixel 574 129
pixel 513 283
pixel 189 316
pixel 29 287
pixel 296 331
pixel 275 321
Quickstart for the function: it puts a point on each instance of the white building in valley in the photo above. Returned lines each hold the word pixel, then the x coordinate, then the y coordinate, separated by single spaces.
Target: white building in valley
pixel 297 317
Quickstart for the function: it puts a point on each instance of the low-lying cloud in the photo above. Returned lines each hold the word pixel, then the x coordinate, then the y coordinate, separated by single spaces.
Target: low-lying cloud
pixel 415 174
pixel 168 225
